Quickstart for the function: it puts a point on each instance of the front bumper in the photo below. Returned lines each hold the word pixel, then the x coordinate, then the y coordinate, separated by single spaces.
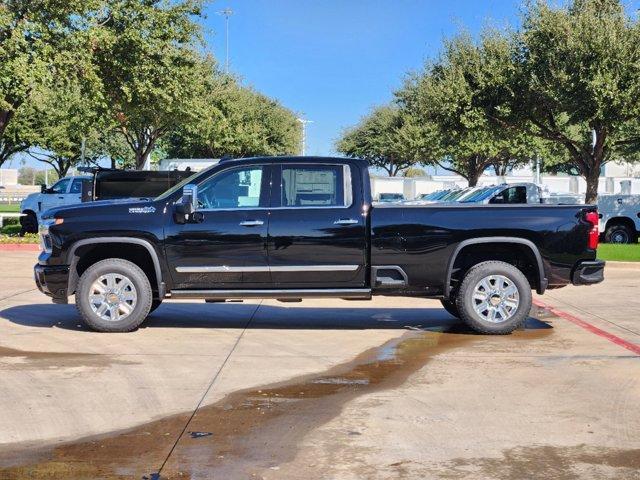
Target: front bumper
pixel 52 281
pixel 588 272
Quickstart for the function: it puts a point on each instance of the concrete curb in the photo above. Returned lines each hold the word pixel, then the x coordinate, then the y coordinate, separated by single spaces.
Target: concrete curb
pixel 612 263
pixel 19 247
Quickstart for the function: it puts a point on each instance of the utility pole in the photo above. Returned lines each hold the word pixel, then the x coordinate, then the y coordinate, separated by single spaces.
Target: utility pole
pixel 226 13
pixel 304 134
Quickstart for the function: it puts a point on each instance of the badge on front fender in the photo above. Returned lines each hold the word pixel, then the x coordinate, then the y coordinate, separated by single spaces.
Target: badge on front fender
pixel 142 209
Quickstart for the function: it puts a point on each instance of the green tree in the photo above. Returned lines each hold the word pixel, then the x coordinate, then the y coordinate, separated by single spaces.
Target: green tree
pixel 66 120
pixel 572 77
pixel 387 138
pixel 239 122
pixel 414 172
pixel 34 36
pixel 457 133
pixel 152 74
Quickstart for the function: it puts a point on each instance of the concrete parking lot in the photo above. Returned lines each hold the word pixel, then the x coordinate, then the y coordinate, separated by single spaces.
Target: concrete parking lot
pixel 392 388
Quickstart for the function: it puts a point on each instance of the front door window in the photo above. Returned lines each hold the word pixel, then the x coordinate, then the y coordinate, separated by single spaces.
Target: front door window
pixel 232 189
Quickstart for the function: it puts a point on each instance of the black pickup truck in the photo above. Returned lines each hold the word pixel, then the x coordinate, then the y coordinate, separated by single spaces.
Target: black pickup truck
pixel 305 227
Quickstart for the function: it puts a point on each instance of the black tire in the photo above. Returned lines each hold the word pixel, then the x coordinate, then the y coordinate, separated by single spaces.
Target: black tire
pixel 449 304
pixel 118 266
pixel 28 224
pixel 155 304
pixel 466 302
pixel 619 233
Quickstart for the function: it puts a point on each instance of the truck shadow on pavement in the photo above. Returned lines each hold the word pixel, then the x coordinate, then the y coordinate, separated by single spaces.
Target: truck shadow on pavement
pixel 230 315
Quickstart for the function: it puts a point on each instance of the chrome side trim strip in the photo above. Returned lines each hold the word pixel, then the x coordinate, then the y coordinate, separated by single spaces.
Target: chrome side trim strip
pixel 292 268
pixel 353 293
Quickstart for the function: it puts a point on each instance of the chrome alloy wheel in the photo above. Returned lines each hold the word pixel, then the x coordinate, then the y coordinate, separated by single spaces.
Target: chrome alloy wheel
pixel 496 298
pixel 113 297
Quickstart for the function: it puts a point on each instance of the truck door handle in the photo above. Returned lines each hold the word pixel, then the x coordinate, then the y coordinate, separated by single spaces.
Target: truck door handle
pixel 251 223
pixel 345 221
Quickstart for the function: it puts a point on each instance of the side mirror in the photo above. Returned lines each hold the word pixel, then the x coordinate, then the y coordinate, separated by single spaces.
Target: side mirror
pixel 43 188
pixel 190 197
pixel 188 204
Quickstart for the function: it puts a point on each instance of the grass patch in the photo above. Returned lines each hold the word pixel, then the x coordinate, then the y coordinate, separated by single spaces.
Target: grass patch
pixel 28 238
pixel 10 207
pixel 619 253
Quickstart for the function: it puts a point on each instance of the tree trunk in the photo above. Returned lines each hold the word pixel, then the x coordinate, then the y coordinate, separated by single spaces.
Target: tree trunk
pixel 5 118
pixel 473 177
pixel 592 176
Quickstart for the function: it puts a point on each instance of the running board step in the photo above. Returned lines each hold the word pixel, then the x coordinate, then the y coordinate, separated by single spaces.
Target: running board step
pixel 351 294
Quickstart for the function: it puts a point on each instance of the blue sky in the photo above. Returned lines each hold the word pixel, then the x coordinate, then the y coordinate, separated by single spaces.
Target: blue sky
pixel 332 60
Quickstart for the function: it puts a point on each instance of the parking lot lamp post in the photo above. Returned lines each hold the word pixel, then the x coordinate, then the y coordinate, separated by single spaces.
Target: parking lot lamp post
pixel 304 135
pixel 227 12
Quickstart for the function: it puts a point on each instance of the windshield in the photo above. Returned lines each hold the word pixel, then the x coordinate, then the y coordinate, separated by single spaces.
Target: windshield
pixel 455 194
pixel 178 186
pixel 482 194
pixel 478 195
pixel 433 195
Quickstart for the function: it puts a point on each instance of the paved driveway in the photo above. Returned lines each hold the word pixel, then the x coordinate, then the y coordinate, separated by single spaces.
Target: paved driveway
pixel 392 388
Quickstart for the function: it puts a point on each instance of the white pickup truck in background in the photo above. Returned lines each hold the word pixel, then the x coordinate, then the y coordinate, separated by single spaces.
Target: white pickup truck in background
pixel 66 191
pixel 619 217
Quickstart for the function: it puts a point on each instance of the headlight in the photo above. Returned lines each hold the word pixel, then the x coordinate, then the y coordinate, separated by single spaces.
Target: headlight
pixel 43 230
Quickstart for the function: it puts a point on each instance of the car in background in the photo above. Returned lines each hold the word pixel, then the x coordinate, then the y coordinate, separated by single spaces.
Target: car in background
pixel 619 217
pixel 435 196
pixel 390 197
pixel 513 194
pixel 100 184
pixel 66 191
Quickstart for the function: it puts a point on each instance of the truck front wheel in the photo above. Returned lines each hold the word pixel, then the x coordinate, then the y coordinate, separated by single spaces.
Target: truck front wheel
pixel 28 224
pixel 494 298
pixel 114 295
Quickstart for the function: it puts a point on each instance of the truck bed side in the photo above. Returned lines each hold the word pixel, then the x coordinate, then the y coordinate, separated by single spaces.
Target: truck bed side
pixel 433 244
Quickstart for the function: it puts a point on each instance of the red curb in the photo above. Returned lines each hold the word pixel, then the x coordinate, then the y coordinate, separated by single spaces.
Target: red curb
pixel 590 327
pixel 19 247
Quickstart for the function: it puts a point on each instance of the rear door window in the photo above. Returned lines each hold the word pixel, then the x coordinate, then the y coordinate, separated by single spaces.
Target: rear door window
pixel 76 186
pixel 308 186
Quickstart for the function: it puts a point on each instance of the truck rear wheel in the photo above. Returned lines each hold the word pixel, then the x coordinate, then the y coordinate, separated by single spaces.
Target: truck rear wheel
pixel 114 295
pixel 619 233
pixel 494 298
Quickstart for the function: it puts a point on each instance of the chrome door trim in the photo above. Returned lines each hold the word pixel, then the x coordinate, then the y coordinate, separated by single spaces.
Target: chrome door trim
pixel 247 269
pixel 351 293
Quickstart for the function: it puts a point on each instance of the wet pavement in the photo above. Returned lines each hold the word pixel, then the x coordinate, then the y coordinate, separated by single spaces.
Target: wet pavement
pixel 393 388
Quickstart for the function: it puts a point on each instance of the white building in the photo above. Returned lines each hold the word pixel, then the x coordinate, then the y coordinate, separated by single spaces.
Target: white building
pixel 8 177
pixel 195 164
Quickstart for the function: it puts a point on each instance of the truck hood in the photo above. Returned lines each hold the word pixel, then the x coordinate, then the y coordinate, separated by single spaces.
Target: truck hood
pixel 100 207
pixel 30 199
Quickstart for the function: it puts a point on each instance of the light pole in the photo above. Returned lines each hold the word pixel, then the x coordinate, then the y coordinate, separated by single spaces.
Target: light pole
pixel 227 12
pixel 304 134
